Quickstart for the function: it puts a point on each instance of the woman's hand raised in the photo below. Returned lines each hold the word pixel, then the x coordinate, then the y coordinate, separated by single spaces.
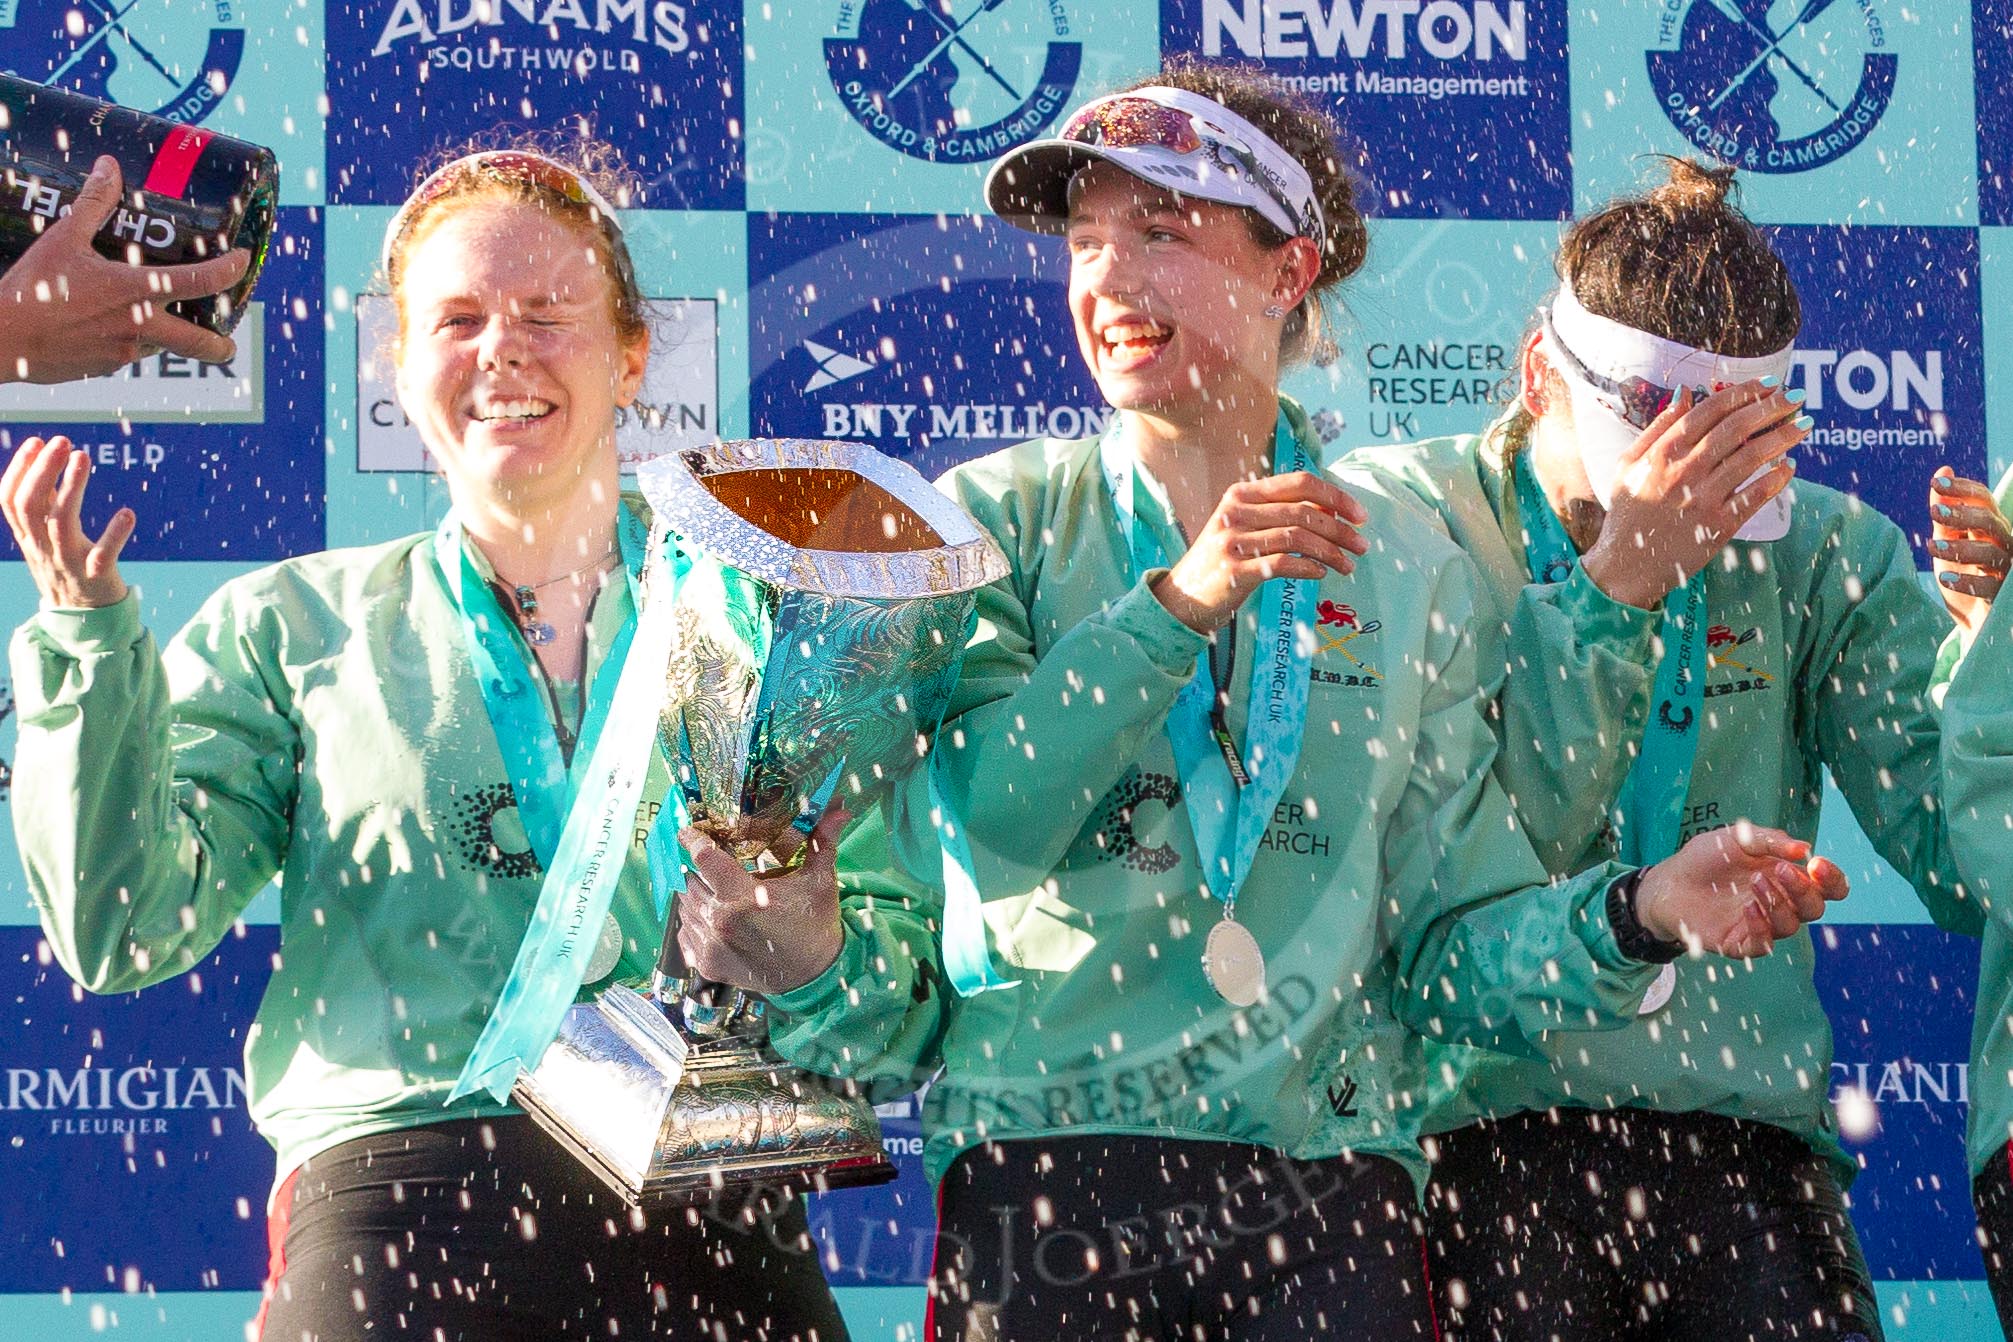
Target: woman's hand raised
pixel 1737 890
pixel 42 495
pixel 1970 545
pixel 1297 525
pixel 1683 488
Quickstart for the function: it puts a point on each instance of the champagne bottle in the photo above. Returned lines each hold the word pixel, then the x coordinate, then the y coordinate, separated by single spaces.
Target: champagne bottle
pixel 190 193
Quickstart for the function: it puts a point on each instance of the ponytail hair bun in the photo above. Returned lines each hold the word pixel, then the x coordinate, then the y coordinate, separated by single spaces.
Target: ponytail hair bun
pixel 1681 261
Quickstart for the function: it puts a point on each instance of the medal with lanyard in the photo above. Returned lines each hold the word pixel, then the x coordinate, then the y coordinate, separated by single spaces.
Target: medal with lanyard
pixel 1653 797
pixel 1228 790
pixel 569 811
pixel 539 774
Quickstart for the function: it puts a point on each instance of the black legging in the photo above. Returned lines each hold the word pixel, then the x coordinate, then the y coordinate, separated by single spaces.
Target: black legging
pixel 1992 1195
pixel 1112 1238
pixel 1641 1226
pixel 485 1230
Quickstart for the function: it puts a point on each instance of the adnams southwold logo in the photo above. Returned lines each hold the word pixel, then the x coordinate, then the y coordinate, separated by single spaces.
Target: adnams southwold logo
pixel 1773 85
pixel 174 58
pixel 958 81
pixel 659 79
pixel 679 405
pixel 572 35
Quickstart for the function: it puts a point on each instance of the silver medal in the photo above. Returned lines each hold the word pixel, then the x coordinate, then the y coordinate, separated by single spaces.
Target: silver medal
pixel 1233 963
pixel 1660 991
pixel 607 950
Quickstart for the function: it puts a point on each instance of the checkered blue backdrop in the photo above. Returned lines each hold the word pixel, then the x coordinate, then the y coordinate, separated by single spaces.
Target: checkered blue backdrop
pixel 824 272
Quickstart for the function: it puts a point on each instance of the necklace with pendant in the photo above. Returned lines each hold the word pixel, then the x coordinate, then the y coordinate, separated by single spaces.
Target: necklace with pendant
pixel 525 596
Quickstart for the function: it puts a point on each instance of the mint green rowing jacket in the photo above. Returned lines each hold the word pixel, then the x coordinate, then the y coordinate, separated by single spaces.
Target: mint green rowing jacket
pixel 1393 897
pixel 319 721
pixel 1821 655
pixel 1978 795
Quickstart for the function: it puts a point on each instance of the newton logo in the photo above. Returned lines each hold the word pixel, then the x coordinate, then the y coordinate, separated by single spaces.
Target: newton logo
pixel 1773 85
pixel 174 58
pixel 953 81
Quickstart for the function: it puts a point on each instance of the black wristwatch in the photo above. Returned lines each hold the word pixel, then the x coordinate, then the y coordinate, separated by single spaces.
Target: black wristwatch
pixel 1636 941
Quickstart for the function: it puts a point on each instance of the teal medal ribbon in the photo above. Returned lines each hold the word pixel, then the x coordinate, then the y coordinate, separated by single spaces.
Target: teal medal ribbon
pixel 1230 794
pixel 1228 818
pixel 579 820
pixel 1653 797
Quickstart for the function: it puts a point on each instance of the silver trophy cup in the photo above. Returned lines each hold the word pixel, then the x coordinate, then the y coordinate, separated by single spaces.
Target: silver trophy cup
pixel 820 629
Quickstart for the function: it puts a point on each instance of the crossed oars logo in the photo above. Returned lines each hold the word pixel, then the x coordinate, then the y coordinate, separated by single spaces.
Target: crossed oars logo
pixel 1811 9
pixel 1719 637
pixel 111 23
pixel 1334 615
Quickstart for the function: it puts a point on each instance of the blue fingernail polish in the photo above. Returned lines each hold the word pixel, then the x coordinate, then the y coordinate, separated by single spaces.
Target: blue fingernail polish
pixel 1795 395
pixel 1771 381
pixel 1947 579
pixel 1804 421
pixel 1943 511
pixel 1941 545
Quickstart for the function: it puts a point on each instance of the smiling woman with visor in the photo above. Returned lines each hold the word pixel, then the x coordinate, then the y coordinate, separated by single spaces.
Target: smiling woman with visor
pixel 389 731
pixel 1694 642
pixel 1223 841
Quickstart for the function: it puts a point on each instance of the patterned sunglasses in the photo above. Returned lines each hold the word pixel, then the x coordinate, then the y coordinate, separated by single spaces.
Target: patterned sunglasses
pixel 1636 401
pixel 1140 123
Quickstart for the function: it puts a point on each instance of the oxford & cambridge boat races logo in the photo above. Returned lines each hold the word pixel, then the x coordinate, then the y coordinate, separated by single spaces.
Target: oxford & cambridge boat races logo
pixel 958 81
pixel 1776 86
pixel 174 58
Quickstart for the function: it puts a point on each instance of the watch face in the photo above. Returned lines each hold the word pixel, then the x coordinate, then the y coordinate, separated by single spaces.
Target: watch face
pixel 1660 991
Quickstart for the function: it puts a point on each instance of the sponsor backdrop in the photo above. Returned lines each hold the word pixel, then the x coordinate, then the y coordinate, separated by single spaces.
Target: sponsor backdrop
pixel 811 170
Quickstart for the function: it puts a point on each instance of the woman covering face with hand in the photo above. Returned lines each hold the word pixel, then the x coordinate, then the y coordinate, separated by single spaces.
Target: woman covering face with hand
pixel 1215 791
pixel 1693 643
pixel 390 730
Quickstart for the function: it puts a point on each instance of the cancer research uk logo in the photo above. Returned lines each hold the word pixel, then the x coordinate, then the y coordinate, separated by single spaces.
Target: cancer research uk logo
pixel 1773 85
pixel 174 58
pixel 1396 73
pixel 954 81
pixel 658 79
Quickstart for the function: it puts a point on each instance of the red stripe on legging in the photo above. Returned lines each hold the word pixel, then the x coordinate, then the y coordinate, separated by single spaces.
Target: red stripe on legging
pixel 936 1247
pixel 276 1248
pixel 176 162
pixel 1426 1272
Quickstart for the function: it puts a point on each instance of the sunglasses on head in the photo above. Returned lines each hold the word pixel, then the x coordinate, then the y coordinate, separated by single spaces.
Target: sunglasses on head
pixel 1139 123
pixel 516 166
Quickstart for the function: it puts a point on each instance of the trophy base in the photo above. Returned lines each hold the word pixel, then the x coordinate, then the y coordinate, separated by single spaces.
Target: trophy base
pixel 668 1119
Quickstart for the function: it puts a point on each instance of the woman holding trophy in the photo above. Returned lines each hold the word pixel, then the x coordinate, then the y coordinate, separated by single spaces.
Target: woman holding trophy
pixel 1636 484
pixel 1219 836
pixel 324 721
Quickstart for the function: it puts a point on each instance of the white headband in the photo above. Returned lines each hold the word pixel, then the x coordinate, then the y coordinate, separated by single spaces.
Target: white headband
pixel 1618 352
